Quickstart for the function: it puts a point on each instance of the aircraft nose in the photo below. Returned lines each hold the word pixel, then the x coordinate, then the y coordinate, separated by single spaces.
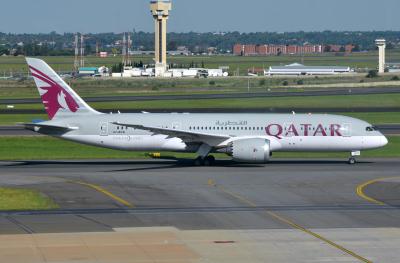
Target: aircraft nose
pixel 384 140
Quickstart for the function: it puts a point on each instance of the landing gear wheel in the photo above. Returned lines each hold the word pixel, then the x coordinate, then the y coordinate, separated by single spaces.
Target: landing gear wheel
pixel 209 160
pixel 352 160
pixel 198 161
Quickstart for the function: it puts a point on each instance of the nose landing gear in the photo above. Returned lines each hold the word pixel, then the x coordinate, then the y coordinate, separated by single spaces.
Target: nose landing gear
pixel 352 159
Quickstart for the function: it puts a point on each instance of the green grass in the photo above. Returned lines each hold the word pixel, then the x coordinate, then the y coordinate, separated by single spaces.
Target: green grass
pixel 341 101
pixel 376 117
pixel 12 119
pixel 46 148
pixel 89 87
pixel 42 148
pixel 24 199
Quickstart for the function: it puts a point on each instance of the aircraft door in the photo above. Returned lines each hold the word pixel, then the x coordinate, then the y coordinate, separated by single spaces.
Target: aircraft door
pixel 104 129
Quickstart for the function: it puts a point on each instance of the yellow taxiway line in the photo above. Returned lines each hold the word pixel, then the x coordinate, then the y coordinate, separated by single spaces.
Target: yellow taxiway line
pixel 289 222
pixel 360 190
pixel 105 192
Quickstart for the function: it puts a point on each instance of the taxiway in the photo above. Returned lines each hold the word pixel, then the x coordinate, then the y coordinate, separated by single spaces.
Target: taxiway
pixel 323 210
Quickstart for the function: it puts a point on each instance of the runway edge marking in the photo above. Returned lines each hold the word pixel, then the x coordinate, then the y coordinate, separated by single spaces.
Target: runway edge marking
pixel 360 190
pixel 291 223
pixel 105 192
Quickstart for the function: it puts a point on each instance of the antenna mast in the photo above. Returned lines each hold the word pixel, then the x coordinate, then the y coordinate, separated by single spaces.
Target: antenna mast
pixel 128 57
pixel 82 51
pixel 76 62
pixel 124 50
pixel 97 49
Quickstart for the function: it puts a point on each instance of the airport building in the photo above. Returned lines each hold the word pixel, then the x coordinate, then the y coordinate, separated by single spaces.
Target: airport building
pixel 266 50
pixel 299 69
pixel 90 71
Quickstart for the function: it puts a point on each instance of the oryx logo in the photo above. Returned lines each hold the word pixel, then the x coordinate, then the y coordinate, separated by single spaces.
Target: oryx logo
pixel 54 96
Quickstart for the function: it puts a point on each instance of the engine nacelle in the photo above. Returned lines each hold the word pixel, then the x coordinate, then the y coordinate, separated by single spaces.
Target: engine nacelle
pixel 252 150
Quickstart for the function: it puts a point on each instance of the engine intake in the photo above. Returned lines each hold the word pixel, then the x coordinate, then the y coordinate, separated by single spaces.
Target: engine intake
pixel 252 150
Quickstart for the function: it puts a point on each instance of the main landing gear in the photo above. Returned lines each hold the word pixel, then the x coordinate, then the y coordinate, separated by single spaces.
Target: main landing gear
pixel 204 161
pixel 352 159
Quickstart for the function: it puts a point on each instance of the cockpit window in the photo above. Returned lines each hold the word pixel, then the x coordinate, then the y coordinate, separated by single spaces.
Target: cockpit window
pixel 371 128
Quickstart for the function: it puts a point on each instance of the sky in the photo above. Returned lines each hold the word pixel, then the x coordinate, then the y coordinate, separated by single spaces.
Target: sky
pixel 43 16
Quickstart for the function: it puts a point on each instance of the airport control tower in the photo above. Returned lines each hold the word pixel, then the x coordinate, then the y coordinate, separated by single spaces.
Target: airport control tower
pixel 381 43
pixel 160 11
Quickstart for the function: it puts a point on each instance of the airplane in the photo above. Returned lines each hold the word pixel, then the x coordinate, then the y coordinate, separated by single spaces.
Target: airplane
pixel 247 138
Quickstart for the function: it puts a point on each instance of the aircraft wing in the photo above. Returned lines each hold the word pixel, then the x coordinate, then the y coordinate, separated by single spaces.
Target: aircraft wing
pixel 186 136
pixel 37 126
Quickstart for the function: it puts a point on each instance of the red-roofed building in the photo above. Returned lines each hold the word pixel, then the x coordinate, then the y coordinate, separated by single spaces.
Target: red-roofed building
pixel 265 50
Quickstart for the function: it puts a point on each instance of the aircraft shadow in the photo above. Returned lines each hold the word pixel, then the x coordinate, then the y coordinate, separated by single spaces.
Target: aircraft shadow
pixel 169 163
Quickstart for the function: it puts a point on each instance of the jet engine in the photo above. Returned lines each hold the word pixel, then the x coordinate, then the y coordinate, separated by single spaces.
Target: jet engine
pixel 251 150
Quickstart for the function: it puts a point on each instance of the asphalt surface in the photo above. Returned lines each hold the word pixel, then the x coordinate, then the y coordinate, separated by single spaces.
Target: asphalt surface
pixel 323 92
pixel 387 129
pixel 168 211
pixel 314 194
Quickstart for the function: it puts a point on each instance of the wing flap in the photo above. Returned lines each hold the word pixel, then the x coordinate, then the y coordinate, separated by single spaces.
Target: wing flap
pixel 186 136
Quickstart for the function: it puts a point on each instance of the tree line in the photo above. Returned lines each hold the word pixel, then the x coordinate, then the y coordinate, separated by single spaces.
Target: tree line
pixel 62 44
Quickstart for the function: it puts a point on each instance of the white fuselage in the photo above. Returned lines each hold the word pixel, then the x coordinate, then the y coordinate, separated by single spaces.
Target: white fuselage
pixel 286 132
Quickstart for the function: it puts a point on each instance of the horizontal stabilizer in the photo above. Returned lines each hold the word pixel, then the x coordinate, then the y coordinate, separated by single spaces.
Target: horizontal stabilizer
pixel 37 126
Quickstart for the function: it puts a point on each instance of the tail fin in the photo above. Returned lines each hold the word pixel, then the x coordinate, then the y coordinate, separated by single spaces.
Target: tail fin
pixel 57 96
